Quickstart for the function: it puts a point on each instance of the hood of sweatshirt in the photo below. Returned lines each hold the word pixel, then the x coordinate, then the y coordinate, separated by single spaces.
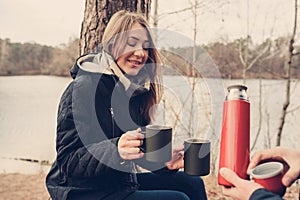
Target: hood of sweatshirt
pixel 103 63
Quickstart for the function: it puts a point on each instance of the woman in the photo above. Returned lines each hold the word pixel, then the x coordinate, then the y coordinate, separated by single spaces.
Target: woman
pixel 113 94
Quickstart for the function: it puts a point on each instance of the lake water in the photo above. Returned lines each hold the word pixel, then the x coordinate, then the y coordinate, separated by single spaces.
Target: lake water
pixel 28 107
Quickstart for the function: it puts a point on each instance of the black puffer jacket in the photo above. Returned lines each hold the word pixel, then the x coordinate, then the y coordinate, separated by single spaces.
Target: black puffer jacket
pixel 94 111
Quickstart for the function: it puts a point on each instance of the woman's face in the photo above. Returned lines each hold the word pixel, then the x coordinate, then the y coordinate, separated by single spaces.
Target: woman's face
pixel 135 53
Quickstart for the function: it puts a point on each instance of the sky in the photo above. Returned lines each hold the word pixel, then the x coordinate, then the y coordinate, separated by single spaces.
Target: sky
pixel 227 19
pixel 53 22
pixel 49 22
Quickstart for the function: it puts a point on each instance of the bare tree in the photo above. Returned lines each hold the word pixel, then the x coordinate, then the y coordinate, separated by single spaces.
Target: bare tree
pixel 267 136
pixel 4 52
pixel 97 14
pixel 259 110
pixel 288 78
pixel 249 59
pixel 155 13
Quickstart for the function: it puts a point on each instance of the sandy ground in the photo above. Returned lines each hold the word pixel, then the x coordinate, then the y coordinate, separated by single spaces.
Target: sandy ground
pixel 21 187
pixel 32 187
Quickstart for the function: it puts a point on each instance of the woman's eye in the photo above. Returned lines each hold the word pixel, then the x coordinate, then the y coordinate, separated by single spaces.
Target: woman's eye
pixel 131 42
pixel 146 45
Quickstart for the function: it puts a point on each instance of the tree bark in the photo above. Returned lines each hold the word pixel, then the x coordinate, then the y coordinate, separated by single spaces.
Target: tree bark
pixel 96 16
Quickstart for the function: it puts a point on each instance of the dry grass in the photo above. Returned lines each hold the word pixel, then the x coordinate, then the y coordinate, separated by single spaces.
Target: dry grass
pixel 32 187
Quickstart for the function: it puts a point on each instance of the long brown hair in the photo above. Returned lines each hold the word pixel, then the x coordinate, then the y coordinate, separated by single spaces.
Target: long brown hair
pixel 114 40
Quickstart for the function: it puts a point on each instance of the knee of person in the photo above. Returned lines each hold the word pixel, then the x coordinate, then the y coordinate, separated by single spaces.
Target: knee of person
pixel 181 196
pixel 198 180
pixel 195 180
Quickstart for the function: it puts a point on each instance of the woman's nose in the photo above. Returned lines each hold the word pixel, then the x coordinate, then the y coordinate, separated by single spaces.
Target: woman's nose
pixel 139 52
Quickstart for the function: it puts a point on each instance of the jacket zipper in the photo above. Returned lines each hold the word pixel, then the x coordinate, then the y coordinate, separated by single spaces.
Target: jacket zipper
pixel 112 112
pixel 112 120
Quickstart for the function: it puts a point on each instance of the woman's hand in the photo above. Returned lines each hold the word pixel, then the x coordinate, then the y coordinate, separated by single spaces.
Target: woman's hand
pixel 177 159
pixel 129 143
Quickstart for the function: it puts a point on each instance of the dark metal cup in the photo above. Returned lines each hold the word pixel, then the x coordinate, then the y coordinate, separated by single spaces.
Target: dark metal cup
pixel 157 144
pixel 197 157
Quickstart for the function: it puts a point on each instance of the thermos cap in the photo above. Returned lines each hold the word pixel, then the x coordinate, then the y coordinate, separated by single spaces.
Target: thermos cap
pixel 237 92
pixel 237 86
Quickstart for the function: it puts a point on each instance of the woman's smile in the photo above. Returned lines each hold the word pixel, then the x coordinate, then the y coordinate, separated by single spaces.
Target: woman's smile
pixel 135 63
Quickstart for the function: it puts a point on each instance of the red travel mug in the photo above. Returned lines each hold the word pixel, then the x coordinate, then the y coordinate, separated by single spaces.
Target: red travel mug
pixel 235 137
pixel 269 175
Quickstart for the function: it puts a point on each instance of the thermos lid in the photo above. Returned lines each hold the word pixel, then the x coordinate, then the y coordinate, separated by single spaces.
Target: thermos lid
pixel 237 92
pixel 237 86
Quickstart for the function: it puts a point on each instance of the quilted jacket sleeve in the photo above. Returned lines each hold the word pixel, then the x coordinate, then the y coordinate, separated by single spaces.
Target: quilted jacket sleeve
pixel 82 147
pixel 264 194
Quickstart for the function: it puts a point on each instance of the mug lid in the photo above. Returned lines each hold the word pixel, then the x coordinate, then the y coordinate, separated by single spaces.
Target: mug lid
pixel 196 140
pixel 158 127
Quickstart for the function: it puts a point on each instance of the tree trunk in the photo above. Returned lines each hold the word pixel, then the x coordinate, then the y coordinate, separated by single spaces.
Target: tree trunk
pixel 288 82
pixel 96 16
pixel 259 110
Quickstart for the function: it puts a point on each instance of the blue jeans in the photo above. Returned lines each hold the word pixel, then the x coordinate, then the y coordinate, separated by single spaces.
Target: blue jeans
pixel 169 187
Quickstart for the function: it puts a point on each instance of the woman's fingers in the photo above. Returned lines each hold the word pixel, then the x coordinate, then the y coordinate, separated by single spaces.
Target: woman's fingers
pixel 134 143
pixel 131 153
pixel 129 143
pixel 134 135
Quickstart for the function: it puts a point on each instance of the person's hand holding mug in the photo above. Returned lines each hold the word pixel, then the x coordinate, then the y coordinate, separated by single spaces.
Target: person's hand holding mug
pixel 243 189
pixel 290 157
pixel 177 161
pixel 129 143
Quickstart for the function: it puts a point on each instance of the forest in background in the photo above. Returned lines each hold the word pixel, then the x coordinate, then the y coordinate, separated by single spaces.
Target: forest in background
pixel 266 60
pixel 36 59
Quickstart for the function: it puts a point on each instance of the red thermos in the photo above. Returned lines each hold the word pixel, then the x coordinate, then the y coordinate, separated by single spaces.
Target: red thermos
pixel 235 137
